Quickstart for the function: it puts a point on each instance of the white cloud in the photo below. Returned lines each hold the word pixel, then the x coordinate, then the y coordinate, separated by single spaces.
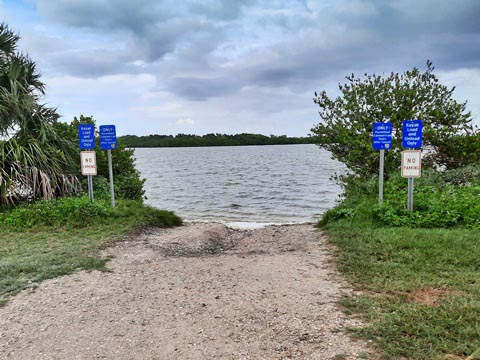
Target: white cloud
pixel 187 121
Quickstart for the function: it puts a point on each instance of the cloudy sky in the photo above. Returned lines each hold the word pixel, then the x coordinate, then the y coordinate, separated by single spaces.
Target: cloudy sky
pixel 231 66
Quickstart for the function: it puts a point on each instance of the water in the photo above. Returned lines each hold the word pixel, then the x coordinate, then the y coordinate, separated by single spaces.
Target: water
pixel 241 185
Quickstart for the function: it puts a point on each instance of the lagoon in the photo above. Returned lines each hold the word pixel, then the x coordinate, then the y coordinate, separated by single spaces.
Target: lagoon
pixel 276 184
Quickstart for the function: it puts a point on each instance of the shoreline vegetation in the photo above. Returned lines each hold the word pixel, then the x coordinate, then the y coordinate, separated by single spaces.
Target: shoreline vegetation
pixel 417 273
pixel 188 140
pixel 52 238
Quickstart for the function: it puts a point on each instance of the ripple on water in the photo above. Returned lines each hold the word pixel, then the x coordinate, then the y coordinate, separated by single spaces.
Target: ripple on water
pixel 244 184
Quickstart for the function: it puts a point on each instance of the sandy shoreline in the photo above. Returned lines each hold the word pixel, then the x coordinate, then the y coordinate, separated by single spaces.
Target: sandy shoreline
pixel 201 291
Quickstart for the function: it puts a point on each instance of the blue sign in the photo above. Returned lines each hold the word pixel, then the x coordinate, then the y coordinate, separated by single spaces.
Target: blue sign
pixel 382 136
pixel 412 134
pixel 86 135
pixel 108 137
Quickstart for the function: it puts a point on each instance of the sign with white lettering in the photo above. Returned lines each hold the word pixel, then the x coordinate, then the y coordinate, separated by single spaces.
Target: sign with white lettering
pixel 382 136
pixel 108 137
pixel 412 134
pixel 411 163
pixel 88 161
pixel 86 135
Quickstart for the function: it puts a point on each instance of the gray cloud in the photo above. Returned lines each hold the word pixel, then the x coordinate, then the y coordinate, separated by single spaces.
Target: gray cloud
pixel 104 14
pixel 95 63
pixel 219 10
pixel 156 27
pixel 296 44
pixel 202 89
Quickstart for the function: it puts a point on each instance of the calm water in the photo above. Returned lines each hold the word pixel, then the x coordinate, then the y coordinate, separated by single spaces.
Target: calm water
pixel 245 184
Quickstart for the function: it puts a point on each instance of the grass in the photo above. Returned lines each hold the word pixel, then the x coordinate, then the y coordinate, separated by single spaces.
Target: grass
pixel 32 252
pixel 421 287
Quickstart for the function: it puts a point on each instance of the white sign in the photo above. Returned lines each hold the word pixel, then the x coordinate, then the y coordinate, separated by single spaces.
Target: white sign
pixel 411 163
pixel 88 161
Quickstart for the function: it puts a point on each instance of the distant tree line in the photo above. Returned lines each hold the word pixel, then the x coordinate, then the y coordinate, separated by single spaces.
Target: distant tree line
pixel 186 140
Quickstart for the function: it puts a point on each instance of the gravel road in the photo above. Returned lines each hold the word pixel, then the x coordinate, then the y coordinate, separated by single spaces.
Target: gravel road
pixel 200 291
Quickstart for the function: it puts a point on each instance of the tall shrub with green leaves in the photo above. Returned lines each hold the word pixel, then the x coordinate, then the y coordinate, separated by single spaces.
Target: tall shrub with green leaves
pixel 347 121
pixel 127 181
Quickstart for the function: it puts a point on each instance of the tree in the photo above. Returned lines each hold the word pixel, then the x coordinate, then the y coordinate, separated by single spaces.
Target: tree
pixel 33 158
pixel 347 121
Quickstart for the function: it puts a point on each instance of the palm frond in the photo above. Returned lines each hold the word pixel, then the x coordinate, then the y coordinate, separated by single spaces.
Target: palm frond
pixel 8 40
pixel 33 158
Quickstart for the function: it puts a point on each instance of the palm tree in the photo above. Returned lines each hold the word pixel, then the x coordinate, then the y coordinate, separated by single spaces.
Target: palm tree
pixel 32 157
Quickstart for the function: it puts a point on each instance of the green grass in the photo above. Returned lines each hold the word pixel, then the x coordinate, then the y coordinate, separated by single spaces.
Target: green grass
pixel 42 248
pixel 421 287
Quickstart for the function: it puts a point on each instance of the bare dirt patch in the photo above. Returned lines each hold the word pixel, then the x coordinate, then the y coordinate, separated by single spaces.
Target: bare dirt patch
pixel 201 291
pixel 430 296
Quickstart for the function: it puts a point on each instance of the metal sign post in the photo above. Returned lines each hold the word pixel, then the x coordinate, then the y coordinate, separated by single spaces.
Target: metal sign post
pixel 412 138
pixel 410 195
pixel 90 187
pixel 88 162
pixel 86 136
pixel 108 141
pixel 110 172
pixel 411 168
pixel 381 140
pixel 380 177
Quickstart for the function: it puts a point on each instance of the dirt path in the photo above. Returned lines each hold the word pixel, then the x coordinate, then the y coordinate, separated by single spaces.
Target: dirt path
pixel 201 291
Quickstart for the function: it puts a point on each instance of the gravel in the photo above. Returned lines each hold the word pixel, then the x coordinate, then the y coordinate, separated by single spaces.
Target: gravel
pixel 200 291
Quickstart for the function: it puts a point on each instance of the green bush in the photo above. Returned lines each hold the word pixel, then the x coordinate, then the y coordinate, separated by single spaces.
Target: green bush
pixel 128 187
pixel 127 181
pixel 149 216
pixel 468 175
pixel 436 204
pixel 441 200
pixel 339 212
pixel 156 217
pixel 101 186
pixel 79 212
pixel 72 211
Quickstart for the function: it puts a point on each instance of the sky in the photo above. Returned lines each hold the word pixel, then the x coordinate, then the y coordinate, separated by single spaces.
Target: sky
pixel 234 66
